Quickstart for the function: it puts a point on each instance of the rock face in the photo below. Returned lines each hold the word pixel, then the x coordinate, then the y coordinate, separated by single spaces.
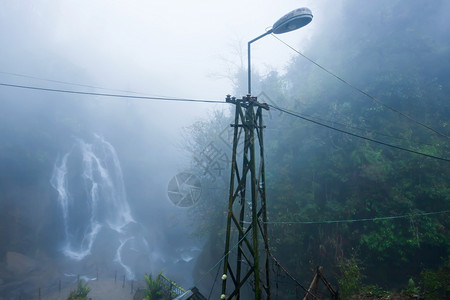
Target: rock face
pixel 19 264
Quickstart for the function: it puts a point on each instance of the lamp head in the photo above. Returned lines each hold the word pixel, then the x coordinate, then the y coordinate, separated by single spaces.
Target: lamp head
pixel 293 20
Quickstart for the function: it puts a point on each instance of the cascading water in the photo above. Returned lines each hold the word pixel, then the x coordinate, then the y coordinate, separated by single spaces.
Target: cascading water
pixel 100 231
pixel 93 201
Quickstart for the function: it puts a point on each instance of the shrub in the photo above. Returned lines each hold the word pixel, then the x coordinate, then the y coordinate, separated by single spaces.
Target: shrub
pixel 435 283
pixel 350 279
pixel 154 290
pixel 80 293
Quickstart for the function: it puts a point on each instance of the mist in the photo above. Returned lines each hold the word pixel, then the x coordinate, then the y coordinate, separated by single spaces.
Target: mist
pixel 84 178
pixel 94 186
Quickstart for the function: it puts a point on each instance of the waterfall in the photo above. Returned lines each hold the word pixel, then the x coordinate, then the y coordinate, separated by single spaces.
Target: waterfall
pixel 92 198
pixel 119 260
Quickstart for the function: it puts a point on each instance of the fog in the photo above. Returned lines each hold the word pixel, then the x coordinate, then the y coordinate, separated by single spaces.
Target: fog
pixel 84 178
pixel 92 186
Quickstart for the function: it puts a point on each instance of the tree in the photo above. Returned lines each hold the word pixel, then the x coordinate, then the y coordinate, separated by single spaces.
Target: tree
pixel 317 175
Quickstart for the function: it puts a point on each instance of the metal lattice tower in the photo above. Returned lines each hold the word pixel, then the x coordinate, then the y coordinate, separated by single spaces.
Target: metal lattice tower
pixel 247 229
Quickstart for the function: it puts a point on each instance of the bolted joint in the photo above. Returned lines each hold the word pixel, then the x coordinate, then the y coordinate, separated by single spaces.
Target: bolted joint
pixel 230 99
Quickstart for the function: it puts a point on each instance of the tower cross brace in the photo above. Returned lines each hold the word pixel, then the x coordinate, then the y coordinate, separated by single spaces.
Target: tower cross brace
pixel 247 209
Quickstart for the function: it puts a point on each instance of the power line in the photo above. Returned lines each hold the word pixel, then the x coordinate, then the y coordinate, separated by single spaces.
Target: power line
pixel 80 84
pixel 133 92
pixel 367 130
pixel 221 259
pixel 68 83
pixel 213 101
pixel 361 91
pixel 109 95
pixel 161 98
pixel 158 96
pixel 356 135
pixel 363 220
pixel 290 276
pixel 215 280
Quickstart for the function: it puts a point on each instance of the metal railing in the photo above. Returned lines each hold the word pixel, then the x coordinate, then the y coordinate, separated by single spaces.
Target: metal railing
pixel 170 287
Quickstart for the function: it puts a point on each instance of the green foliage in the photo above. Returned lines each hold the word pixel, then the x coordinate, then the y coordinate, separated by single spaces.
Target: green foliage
pixel 153 289
pixel 350 279
pixel 412 290
pixel 80 293
pixel 436 283
pixel 374 291
pixel 315 174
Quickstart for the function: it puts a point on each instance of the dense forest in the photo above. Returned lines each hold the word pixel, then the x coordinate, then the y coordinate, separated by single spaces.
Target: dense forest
pixel 393 86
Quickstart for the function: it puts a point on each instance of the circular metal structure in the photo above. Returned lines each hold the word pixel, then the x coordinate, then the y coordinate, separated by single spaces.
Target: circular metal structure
pixel 293 20
pixel 184 189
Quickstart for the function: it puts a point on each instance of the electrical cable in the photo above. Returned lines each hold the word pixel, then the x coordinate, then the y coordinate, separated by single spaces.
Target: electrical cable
pixel 276 280
pixel 290 276
pixel 361 91
pixel 71 83
pixel 277 108
pixel 133 92
pixel 356 135
pixel 109 95
pixel 221 259
pixel 215 280
pixel 366 130
pixel 358 128
pixel 214 101
pixel 364 220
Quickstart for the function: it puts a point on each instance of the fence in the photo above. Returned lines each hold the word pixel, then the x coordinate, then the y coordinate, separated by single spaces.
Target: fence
pixel 171 287
pixel 103 285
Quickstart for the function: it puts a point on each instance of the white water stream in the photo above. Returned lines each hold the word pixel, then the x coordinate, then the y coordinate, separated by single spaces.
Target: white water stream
pixel 92 198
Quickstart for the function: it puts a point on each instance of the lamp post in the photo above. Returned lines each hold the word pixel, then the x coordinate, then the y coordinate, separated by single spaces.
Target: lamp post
pixel 247 182
pixel 291 21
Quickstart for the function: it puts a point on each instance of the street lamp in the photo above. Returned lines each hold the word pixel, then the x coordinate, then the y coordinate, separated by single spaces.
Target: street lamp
pixel 289 22
pixel 248 128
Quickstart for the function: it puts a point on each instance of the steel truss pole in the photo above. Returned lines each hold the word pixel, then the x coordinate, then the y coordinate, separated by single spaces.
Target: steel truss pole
pixel 249 176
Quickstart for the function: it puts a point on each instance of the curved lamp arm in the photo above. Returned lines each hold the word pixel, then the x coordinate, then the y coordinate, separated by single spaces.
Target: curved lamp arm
pixel 289 22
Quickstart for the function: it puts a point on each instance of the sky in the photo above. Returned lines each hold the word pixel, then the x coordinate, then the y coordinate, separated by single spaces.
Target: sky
pixel 164 48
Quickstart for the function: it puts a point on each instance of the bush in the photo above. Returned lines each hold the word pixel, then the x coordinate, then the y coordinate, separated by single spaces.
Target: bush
pixel 154 290
pixel 80 293
pixel 412 290
pixel 350 280
pixel 435 283
pixel 374 291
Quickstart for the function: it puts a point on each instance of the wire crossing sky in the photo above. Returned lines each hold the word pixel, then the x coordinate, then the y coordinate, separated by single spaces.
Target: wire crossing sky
pixel 363 92
pixel 220 102
pixel 166 97
pixel 357 135
pixel 109 95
